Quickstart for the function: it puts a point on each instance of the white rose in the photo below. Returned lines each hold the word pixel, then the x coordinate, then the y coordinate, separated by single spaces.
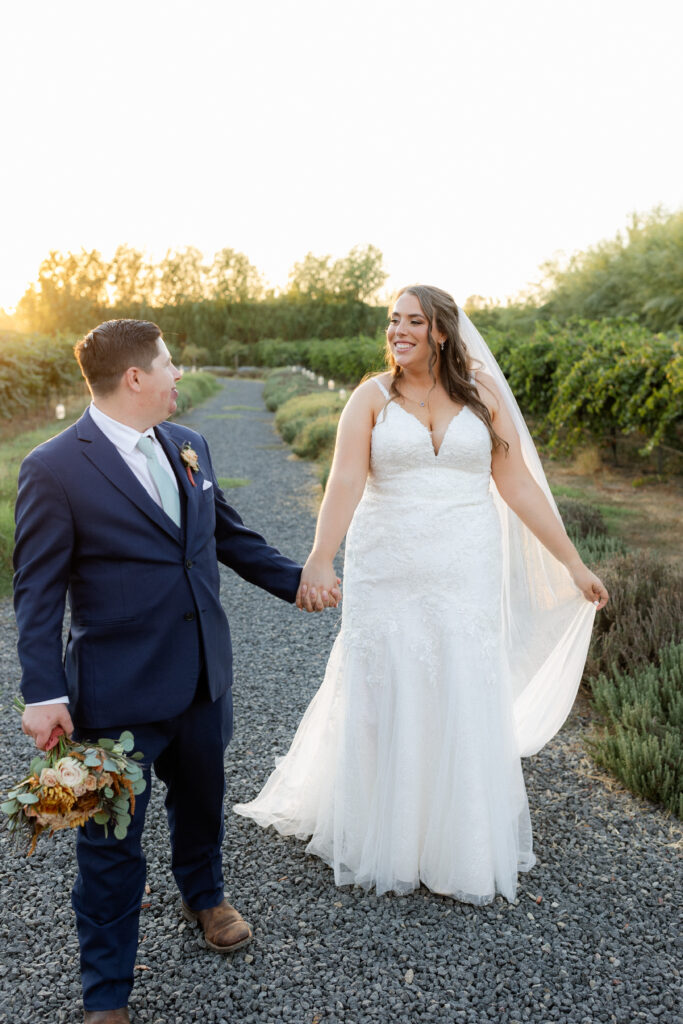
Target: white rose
pixel 48 777
pixel 70 772
pixel 79 790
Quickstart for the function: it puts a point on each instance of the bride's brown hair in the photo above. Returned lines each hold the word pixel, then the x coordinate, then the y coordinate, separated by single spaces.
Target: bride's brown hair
pixel 455 366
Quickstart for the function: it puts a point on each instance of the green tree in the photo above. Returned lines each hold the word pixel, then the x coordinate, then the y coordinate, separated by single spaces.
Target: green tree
pixel 638 273
pixel 361 274
pixel 232 278
pixel 181 277
pixel 356 277
pixel 131 278
pixel 69 295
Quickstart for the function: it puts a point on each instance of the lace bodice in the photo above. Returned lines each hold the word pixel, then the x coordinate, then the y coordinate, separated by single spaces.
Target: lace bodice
pixel 403 461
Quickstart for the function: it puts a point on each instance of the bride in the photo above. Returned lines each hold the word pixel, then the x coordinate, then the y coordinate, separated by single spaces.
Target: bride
pixel 466 619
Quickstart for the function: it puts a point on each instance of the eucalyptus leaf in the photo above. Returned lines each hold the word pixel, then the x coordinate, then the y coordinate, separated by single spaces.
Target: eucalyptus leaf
pixel 108 792
pixel 101 818
pixel 127 740
pixel 132 773
pixel 37 765
pixel 109 765
pixel 92 760
pixel 9 807
pixel 106 744
pixel 121 831
pixel 27 798
pixel 138 755
pixel 123 819
pixel 139 786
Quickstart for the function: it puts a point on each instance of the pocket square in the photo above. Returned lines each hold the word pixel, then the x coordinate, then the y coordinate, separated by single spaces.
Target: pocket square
pixel 206 484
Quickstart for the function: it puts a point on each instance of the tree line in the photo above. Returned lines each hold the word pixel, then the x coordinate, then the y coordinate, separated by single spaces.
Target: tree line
pixel 207 303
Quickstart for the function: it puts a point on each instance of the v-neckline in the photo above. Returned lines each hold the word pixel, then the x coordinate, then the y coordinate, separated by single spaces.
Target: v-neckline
pixel 426 429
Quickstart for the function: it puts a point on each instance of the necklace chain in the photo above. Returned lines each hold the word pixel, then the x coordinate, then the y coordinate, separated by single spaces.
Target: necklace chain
pixel 416 401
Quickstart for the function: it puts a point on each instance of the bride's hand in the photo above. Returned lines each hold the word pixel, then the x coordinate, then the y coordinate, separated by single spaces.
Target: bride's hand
pixel 590 585
pixel 319 586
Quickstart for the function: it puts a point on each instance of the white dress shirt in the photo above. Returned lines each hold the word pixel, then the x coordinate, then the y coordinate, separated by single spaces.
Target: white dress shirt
pixel 125 440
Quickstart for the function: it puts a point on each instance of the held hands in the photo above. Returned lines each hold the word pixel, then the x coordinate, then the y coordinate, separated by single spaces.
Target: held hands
pixel 40 722
pixel 592 588
pixel 319 586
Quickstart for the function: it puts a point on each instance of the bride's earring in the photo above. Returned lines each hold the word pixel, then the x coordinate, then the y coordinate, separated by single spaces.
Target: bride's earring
pixel 443 343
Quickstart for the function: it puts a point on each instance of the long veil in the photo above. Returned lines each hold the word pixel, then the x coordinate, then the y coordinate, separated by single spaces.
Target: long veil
pixel 547 621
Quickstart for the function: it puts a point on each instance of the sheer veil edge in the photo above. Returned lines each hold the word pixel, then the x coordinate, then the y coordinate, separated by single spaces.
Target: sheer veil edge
pixel 547 621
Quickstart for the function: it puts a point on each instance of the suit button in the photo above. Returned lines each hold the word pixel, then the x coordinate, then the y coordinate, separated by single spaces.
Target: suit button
pixel 188 563
pixel 188 616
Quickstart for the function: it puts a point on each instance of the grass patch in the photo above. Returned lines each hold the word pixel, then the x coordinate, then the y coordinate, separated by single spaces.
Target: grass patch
pixel 226 482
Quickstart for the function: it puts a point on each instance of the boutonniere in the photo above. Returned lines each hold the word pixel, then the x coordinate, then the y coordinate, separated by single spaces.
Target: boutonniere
pixel 190 461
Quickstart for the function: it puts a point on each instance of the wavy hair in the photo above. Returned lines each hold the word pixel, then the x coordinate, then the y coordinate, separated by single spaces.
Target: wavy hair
pixel 455 365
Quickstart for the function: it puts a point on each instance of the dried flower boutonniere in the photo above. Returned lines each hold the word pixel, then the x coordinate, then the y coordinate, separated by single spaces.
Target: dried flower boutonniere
pixel 190 460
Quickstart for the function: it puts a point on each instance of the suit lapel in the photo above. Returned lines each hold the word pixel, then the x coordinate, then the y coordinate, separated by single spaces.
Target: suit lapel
pixel 188 493
pixel 103 455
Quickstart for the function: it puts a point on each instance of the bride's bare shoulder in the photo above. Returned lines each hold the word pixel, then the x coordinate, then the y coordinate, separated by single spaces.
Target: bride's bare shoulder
pixel 368 398
pixel 371 392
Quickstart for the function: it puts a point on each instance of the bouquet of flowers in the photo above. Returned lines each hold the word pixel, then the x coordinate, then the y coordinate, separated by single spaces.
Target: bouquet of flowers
pixel 73 782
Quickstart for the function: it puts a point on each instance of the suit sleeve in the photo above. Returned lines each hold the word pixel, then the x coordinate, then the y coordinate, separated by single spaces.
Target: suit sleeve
pixel 248 553
pixel 44 542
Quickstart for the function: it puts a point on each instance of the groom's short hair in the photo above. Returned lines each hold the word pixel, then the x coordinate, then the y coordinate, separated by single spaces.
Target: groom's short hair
pixel 106 352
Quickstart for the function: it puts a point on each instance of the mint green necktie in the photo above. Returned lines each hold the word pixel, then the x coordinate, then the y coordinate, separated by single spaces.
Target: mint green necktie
pixel 170 502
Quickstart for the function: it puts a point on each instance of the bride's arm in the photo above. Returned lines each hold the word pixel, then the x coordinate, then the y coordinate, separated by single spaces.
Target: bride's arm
pixel 520 491
pixel 343 492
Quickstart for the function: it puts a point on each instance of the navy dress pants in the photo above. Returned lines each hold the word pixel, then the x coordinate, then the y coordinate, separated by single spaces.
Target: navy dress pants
pixel 186 753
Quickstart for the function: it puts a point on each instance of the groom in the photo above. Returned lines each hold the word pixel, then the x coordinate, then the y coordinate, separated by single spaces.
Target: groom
pixel 123 512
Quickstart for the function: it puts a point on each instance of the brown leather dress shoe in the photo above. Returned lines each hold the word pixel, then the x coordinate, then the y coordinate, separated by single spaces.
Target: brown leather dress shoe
pixel 119 1016
pixel 225 930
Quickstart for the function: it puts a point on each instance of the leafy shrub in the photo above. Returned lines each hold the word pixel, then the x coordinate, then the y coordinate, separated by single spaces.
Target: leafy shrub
pixel 317 438
pixel 281 385
pixel 34 372
pixel 580 518
pixel 292 417
pixel 344 360
pixel 623 380
pixel 596 547
pixel 645 612
pixel 641 741
pixel 194 388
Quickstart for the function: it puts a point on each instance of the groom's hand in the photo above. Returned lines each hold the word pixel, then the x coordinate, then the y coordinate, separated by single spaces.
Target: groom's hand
pixel 319 585
pixel 39 721
pixel 311 598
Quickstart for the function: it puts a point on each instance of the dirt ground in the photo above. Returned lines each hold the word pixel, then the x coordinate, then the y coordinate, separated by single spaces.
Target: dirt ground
pixel 645 512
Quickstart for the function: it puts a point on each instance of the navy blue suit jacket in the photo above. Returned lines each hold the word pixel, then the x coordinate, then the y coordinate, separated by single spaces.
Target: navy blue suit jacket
pixel 144 593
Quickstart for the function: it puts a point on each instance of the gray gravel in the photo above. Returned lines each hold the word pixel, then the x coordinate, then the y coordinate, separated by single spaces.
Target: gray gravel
pixel 592 936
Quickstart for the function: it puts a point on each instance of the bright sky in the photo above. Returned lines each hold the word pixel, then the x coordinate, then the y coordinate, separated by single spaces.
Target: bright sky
pixel 470 141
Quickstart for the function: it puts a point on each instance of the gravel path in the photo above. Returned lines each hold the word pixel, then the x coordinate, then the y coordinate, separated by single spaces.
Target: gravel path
pixel 592 936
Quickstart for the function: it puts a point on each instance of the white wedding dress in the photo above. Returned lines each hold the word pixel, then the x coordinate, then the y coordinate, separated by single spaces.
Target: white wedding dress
pixel 405 768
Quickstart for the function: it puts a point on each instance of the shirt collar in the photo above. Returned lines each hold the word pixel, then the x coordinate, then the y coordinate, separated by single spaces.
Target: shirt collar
pixel 123 437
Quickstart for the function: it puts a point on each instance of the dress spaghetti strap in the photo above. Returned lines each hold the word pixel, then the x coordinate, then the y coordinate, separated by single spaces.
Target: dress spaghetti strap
pixel 379 384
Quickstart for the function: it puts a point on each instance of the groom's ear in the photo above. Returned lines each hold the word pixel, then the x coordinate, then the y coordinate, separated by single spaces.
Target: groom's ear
pixel 131 378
